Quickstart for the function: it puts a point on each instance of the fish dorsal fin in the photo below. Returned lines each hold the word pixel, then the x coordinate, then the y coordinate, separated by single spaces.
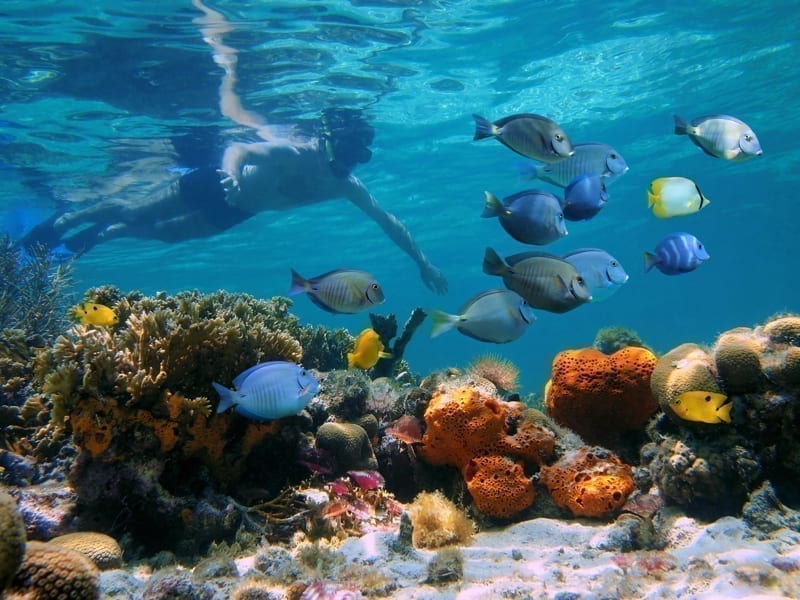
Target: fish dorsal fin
pixel 247 372
pixel 517 258
pixel 581 250
pixel 477 297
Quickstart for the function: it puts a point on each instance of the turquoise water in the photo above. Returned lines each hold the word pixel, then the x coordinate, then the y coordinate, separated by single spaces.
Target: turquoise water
pixel 92 94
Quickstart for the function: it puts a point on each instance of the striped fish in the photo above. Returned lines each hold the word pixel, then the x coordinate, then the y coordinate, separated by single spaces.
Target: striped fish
pixel 341 291
pixel 675 254
pixel 590 158
pixel 269 390
pixel 721 136
pixel 545 281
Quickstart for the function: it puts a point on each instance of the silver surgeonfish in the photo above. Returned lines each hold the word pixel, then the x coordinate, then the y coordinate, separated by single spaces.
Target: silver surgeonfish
pixel 546 281
pixel 528 134
pixel 496 316
pixel 721 136
pixel 343 291
pixel 269 390
pixel 529 216
pixel 590 158
pixel 602 272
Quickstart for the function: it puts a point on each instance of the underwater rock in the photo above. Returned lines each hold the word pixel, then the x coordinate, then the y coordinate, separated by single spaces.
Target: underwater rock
pixel 765 512
pixel 175 583
pixel 277 564
pixel 50 571
pixel 344 394
pixel 446 566
pixel 48 510
pixel 119 584
pixel 601 397
pixel 12 539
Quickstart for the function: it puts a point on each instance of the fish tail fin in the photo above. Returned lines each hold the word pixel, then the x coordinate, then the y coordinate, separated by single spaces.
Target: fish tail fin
pixel 483 128
pixel 528 170
pixel 299 284
pixel 650 261
pixel 227 398
pixel 724 411
pixel 441 322
pixel 680 126
pixel 351 360
pixel 493 206
pixel 493 264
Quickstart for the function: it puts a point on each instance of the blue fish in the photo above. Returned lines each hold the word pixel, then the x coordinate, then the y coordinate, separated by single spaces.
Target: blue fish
pixel 343 291
pixel 584 197
pixel 591 158
pixel 530 216
pixel 677 253
pixel 602 272
pixel 269 390
pixel 496 316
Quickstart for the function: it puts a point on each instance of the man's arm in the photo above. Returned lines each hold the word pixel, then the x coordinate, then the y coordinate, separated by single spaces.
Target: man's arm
pixel 358 194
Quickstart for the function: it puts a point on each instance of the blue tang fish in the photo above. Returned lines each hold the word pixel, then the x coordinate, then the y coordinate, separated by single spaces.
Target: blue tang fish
pixel 584 197
pixel 269 390
pixel 602 272
pixel 530 216
pixel 527 134
pixel 496 316
pixel 344 291
pixel 721 136
pixel 590 158
pixel 675 254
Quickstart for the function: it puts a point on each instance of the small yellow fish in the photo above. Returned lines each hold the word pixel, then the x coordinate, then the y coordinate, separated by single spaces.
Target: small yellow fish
pixel 703 407
pixel 90 313
pixel 675 197
pixel 368 349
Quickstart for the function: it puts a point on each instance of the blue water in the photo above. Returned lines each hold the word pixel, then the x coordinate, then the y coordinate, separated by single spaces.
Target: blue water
pixel 92 94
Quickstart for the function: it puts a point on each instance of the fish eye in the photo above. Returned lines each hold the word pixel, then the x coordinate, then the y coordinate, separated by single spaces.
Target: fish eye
pixel 614 263
pixel 579 279
pixel 748 137
pixel 614 156
pixel 375 286
pixel 699 245
pixel 559 137
pixel 708 398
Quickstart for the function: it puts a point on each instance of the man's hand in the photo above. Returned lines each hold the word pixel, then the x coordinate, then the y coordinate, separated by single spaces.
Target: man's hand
pixel 434 279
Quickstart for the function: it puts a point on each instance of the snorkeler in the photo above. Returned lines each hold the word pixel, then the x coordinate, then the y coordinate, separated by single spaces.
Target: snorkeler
pixel 283 172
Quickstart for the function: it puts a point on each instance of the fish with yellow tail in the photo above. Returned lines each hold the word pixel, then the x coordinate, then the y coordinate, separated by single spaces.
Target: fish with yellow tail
pixel 367 351
pixel 702 407
pixel 90 313
pixel 675 197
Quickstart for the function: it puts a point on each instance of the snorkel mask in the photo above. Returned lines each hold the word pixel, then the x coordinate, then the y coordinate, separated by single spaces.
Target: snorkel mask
pixel 345 136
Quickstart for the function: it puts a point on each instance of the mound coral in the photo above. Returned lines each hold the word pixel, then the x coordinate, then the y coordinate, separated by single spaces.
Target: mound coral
pixel 601 397
pixel 349 443
pixel 489 441
pixel 438 522
pixel 589 482
pixel 12 539
pixel 503 373
pixel 103 550
pixel 50 571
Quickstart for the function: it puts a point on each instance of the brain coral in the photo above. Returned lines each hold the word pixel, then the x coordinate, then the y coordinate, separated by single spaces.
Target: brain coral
pixel 601 397
pixel 490 442
pixel 737 355
pixel 50 571
pixel 684 368
pixel 350 445
pixel 590 482
pixel 12 539
pixel 103 550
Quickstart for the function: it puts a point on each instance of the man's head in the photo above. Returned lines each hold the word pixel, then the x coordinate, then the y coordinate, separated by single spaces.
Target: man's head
pixel 346 137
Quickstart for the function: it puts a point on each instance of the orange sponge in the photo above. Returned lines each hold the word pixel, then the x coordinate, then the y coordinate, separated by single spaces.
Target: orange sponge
pixel 498 485
pixel 590 482
pixel 599 396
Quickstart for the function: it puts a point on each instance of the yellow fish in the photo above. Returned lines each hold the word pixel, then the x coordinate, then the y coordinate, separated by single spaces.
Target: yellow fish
pixel 675 197
pixel 368 349
pixel 90 313
pixel 703 407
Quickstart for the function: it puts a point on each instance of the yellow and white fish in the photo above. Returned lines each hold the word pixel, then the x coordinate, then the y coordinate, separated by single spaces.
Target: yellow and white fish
pixel 703 407
pixel 675 197
pixel 90 313
pixel 367 350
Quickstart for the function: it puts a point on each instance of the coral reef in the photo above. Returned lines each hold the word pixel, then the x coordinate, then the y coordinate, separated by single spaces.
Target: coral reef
pixel 438 522
pixel 503 373
pixel 480 435
pixel 386 328
pixel 611 339
pixel 601 397
pixel 349 443
pixel 711 469
pixel 50 571
pixel 590 482
pixel 12 539
pixel 103 550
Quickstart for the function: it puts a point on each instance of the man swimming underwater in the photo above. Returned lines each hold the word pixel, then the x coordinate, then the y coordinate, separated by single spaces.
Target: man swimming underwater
pixel 281 173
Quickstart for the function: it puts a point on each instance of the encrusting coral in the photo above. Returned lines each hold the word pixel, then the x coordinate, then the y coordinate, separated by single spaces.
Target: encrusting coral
pixel 50 571
pixel 103 550
pixel 589 482
pixel 601 397
pixel 12 539
pixel 489 441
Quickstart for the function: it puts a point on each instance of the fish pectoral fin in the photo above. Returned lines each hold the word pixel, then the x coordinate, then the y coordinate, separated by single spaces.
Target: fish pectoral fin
pixel 304 390
pixel 385 355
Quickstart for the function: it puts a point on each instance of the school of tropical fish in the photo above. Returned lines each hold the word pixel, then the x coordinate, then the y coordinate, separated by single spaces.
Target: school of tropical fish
pixel 534 279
